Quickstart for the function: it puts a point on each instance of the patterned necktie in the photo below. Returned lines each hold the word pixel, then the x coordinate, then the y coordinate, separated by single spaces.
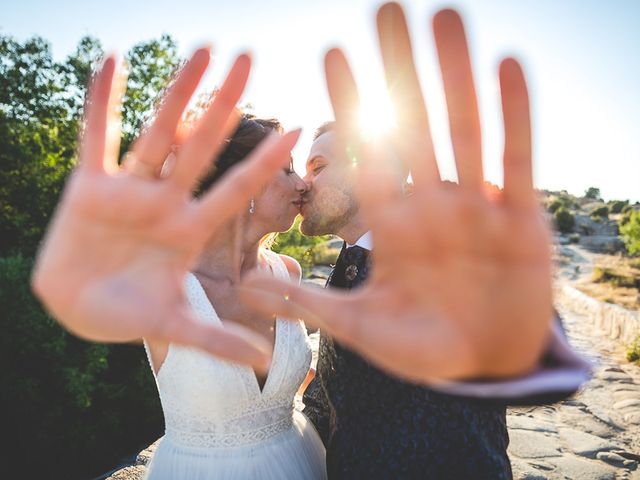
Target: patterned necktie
pixel 351 268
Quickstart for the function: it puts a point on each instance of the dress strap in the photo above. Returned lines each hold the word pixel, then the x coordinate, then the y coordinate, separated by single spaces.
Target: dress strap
pixel 276 263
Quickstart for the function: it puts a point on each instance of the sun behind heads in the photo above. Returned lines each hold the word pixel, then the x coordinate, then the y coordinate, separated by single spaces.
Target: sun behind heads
pixel 376 117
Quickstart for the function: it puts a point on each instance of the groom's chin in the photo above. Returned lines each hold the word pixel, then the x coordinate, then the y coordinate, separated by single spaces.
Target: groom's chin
pixel 307 228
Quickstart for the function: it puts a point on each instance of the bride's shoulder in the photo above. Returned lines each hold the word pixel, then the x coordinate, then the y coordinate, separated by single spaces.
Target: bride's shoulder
pixel 293 267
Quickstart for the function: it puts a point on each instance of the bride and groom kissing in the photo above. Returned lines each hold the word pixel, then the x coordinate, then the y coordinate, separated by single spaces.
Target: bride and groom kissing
pixel 415 367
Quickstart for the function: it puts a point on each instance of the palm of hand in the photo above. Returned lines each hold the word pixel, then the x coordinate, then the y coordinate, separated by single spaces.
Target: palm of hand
pixel 461 280
pixel 124 233
pixel 114 259
pixel 467 264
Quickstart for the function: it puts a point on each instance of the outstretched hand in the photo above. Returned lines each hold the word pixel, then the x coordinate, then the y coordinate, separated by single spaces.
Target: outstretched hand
pixel 115 256
pixel 461 277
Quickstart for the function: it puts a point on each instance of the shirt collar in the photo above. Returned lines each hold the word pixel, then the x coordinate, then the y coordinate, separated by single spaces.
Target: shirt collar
pixel 365 241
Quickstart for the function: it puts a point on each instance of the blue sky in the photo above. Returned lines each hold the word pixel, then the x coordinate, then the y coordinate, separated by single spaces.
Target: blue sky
pixel 582 60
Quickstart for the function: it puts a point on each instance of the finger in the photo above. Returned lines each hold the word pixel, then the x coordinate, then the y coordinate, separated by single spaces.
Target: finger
pixel 518 180
pixel 242 181
pixel 114 119
pixel 415 146
pixel 328 310
pixel 195 156
pixel 231 342
pixel 152 147
pixel 378 184
pixel 462 104
pixel 92 144
pixel 343 94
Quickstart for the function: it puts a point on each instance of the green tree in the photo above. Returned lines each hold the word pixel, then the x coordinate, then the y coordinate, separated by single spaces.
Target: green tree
pixel 593 193
pixel 631 233
pixel 616 206
pixel 152 65
pixel 298 246
pixel 599 213
pixel 40 104
pixel 80 406
pixel 564 220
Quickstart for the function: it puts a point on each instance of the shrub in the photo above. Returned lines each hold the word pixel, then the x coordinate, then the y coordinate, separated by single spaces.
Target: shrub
pixel 599 213
pixel 633 352
pixel 630 232
pixel 81 407
pixel 554 206
pixel 574 238
pixel 626 208
pixel 602 275
pixel 298 246
pixel 564 220
pixel 616 206
pixel 325 255
pixel 593 193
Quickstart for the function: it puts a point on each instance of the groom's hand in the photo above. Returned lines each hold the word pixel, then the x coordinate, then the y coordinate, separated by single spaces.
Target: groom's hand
pixel 461 277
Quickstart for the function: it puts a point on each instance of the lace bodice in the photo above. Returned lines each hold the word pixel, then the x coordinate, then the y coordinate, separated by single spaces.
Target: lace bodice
pixel 208 402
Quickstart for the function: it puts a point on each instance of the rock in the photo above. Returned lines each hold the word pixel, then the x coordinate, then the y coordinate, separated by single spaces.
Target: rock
pixel 633 418
pixel 585 444
pixel 628 403
pixel 602 243
pixel 529 444
pixel 615 377
pixel 626 395
pixel 614 369
pixel 541 465
pixel 587 422
pixel 529 423
pixel 587 226
pixel 144 457
pixel 523 471
pixel 579 468
pixel 612 458
pixel 135 472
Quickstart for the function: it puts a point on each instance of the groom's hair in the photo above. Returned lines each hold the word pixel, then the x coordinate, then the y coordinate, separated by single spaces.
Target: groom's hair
pixel 324 128
pixel 250 132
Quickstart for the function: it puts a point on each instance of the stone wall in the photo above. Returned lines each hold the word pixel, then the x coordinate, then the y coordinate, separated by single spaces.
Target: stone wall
pixel 617 322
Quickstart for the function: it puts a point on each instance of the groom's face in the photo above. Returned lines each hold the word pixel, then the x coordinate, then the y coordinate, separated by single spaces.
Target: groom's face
pixel 330 201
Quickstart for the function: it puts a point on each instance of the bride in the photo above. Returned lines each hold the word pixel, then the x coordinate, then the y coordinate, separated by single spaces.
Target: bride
pixel 114 267
pixel 222 419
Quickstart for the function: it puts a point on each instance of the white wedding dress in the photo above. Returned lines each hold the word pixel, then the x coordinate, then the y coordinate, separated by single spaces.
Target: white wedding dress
pixel 219 424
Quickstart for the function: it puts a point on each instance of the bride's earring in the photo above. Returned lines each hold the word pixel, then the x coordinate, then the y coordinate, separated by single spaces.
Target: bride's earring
pixel 252 206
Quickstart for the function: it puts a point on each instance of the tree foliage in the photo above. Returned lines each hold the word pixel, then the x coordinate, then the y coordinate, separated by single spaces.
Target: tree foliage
pixel 564 220
pixel 630 232
pixel 593 193
pixel 79 407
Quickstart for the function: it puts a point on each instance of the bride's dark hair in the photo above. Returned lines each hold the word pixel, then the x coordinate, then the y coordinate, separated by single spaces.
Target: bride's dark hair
pixel 250 132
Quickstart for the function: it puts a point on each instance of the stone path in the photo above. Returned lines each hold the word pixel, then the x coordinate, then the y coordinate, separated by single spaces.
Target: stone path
pixel 593 435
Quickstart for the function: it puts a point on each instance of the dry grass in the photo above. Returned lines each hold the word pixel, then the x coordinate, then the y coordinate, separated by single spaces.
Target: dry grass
pixel 615 279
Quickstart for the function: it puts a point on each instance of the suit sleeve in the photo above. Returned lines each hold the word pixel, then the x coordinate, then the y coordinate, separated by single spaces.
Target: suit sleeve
pixel 559 374
pixel 316 407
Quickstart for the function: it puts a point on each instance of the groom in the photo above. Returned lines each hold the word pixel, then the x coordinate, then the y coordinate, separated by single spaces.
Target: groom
pixel 375 425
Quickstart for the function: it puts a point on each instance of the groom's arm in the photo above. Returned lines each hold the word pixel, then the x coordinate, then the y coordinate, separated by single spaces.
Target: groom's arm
pixel 316 408
pixel 558 375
